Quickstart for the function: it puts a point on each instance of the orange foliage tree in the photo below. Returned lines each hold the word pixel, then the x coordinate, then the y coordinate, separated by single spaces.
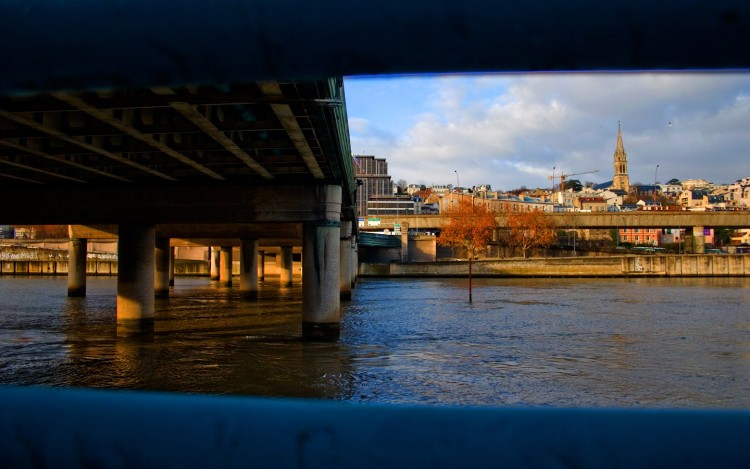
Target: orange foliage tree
pixel 469 226
pixel 529 229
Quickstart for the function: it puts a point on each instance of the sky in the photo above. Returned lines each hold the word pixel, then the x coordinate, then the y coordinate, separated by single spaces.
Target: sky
pixel 514 130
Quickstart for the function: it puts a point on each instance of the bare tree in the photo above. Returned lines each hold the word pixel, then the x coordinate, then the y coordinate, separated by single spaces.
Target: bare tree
pixel 401 186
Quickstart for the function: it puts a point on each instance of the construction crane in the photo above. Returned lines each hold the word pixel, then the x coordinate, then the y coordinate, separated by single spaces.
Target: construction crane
pixel 564 176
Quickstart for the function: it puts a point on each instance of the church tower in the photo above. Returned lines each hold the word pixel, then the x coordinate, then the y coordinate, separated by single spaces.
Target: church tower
pixel 621 179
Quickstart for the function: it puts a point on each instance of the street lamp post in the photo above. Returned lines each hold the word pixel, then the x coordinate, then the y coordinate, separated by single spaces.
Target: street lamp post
pixel 655 170
pixel 457 183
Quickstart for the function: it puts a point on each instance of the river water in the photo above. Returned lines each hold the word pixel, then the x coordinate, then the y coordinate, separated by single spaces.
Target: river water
pixel 656 343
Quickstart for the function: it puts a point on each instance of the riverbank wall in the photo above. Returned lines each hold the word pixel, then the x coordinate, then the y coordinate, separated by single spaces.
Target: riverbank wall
pixel 682 265
pixel 182 267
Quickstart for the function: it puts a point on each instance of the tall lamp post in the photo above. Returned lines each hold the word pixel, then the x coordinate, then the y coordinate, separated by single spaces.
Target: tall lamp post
pixel 457 183
pixel 655 171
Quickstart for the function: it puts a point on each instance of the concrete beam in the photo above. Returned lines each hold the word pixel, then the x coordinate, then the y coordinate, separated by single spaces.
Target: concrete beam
pixel 169 204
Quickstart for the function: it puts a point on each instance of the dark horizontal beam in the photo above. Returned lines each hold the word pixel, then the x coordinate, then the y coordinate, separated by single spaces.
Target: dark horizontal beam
pixel 172 204
pixel 51 45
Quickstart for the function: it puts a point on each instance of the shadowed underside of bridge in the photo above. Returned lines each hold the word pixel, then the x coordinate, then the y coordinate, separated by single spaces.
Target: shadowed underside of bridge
pixel 214 153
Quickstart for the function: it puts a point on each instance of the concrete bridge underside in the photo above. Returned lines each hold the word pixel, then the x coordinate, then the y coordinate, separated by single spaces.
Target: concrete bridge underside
pixel 244 164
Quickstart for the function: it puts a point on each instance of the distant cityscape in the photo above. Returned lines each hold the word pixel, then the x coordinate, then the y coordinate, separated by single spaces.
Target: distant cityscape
pixel 377 195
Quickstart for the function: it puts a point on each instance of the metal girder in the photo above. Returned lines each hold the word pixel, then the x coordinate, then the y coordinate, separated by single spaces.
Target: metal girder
pixel 192 114
pixel 108 118
pixel 27 122
pixel 289 121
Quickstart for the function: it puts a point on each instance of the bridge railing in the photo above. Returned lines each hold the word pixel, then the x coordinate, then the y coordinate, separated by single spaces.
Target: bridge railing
pixel 43 427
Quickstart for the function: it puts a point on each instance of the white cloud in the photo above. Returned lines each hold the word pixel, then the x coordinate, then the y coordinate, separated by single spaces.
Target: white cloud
pixel 511 130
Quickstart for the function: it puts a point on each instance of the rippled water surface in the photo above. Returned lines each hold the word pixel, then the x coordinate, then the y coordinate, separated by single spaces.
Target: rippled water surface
pixel 550 342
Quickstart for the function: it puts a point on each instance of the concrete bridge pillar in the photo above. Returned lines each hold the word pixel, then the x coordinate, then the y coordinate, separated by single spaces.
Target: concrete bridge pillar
pixel 249 268
pixel 225 266
pixel 171 265
pixel 699 240
pixel 77 267
pixel 262 265
pixel 215 260
pixel 355 262
pixel 320 280
pixel 161 265
pixel 345 261
pixel 135 279
pixel 405 243
pixel 286 267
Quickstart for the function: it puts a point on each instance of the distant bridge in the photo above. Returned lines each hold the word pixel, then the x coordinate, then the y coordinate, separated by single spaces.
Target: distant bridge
pixel 693 222
pixel 588 220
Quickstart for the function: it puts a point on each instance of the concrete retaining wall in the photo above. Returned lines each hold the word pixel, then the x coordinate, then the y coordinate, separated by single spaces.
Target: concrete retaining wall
pixel 182 267
pixel 694 265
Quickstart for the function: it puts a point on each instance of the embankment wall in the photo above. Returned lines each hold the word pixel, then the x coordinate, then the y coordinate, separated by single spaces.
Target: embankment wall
pixel 182 267
pixel 684 265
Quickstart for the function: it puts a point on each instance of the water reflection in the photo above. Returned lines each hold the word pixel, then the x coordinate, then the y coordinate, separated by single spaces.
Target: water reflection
pixel 602 342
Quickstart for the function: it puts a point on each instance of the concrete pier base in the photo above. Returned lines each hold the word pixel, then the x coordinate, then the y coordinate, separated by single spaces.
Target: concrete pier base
pixel 225 267
pixel 214 260
pixel 161 266
pixel 77 267
pixel 249 268
pixel 320 281
pixel 286 266
pixel 135 280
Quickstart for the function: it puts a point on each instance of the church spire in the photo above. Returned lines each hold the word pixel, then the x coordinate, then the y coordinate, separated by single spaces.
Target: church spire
pixel 621 179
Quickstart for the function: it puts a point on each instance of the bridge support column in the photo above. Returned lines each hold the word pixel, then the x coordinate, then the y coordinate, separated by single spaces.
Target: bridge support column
pixel 261 265
pixel 171 265
pixel 699 240
pixel 405 242
pixel 355 262
pixel 77 267
pixel 249 268
pixel 135 280
pixel 287 264
pixel 214 261
pixel 161 265
pixel 345 261
pixel 225 266
pixel 321 309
